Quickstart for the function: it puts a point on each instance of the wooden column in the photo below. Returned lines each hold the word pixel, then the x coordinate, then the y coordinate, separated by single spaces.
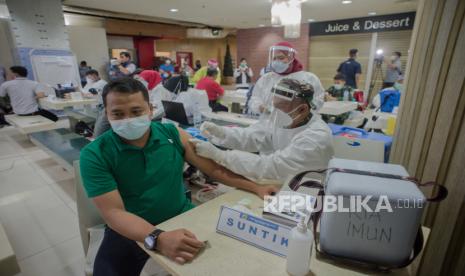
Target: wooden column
pixel 430 135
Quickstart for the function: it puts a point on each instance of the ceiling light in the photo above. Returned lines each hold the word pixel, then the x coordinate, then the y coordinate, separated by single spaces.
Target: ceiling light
pixel 372 13
pixel 311 20
pixel 287 13
pixel 261 25
pixel 346 2
pixel 174 10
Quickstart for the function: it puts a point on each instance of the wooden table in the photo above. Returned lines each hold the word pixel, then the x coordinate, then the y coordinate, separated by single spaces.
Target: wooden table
pixel 336 108
pixel 227 256
pixel 59 104
pixel 228 117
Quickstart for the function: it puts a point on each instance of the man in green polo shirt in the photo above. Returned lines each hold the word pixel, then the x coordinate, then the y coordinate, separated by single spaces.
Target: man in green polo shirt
pixel 133 172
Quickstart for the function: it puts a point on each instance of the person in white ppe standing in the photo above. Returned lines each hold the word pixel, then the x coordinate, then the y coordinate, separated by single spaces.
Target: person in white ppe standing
pixel 292 139
pixel 283 64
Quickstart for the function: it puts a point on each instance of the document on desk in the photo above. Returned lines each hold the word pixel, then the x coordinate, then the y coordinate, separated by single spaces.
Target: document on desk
pixel 256 231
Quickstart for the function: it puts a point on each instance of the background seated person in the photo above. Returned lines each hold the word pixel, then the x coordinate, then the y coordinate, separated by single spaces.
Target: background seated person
pixel 134 174
pixel 213 89
pixel 339 91
pixel 202 72
pixel 24 94
pixel 94 88
pixel 122 67
pixel 94 85
pixel 166 69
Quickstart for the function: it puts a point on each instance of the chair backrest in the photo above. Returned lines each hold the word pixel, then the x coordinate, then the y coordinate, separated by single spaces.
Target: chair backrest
pixel 358 149
pixel 88 213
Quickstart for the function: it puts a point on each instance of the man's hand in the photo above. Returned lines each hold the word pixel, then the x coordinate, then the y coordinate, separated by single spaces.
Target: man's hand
pixel 264 190
pixel 179 245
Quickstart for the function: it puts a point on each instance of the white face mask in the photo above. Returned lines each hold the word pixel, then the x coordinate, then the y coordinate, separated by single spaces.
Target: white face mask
pixel 89 80
pixel 281 119
pixel 131 128
pixel 168 62
pixel 338 86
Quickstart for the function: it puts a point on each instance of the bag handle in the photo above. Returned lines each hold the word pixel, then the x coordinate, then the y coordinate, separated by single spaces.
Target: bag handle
pixel 441 194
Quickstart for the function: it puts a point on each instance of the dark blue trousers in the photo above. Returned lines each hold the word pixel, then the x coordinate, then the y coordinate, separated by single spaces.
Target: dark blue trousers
pixel 119 256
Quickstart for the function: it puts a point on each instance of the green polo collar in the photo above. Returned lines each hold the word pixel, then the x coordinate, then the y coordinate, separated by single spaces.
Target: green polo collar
pixel 121 145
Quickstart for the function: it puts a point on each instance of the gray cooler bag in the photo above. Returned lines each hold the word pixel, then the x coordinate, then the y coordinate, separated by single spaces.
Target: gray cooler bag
pixel 381 240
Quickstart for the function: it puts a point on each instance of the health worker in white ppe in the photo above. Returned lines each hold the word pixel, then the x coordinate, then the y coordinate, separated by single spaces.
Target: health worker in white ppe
pixel 283 64
pixel 291 140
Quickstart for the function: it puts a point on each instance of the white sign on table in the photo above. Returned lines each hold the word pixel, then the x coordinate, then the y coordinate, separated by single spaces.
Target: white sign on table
pixel 256 231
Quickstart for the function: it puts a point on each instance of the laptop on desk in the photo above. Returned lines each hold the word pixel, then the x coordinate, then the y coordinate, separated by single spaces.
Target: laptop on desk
pixel 175 111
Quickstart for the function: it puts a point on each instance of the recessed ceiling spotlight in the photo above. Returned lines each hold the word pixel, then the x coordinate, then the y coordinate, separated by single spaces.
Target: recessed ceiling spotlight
pixel 311 20
pixel 261 25
pixel 174 10
pixel 346 2
pixel 372 13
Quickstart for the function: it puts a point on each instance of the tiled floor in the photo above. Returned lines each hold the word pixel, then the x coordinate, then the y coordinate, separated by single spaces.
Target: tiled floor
pixel 38 209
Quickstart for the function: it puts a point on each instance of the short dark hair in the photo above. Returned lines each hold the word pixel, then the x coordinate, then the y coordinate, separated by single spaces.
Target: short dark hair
pixel 353 52
pixel 339 76
pixel 242 59
pixel 212 72
pixel 398 54
pixel 92 72
pixel 19 70
pixel 125 86
pixel 126 54
pixel 84 63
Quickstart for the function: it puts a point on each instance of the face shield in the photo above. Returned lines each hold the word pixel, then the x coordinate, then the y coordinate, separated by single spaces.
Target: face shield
pixel 280 58
pixel 288 97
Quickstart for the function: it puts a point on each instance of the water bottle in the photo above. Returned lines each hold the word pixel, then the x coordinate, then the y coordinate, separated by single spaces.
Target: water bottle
pixel 346 95
pixel 197 116
pixel 300 249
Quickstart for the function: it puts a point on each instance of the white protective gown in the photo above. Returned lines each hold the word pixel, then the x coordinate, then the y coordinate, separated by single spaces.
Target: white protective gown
pixel 157 94
pixel 310 148
pixel 262 91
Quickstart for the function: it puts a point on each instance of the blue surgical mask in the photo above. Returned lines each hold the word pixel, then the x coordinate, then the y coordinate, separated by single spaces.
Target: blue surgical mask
pixel 279 66
pixel 131 128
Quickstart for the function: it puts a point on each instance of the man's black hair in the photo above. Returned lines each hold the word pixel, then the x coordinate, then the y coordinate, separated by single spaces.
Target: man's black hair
pixel 398 54
pixel 339 76
pixel 212 72
pixel 19 70
pixel 126 54
pixel 353 52
pixel 242 59
pixel 92 72
pixel 83 63
pixel 125 86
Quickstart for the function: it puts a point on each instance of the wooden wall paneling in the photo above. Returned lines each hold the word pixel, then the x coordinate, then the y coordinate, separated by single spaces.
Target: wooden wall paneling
pixel 406 108
pixel 436 93
pixel 327 52
pixel 404 138
pixel 428 91
pixel 448 212
pixel 126 27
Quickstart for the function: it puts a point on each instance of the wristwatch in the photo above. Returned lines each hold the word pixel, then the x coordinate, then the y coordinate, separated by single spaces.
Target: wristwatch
pixel 150 242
